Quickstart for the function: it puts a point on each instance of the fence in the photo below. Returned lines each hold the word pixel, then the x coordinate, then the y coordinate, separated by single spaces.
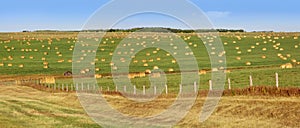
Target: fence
pixel 251 80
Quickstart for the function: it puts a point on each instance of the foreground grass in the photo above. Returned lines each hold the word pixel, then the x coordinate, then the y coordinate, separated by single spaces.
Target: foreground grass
pixel 22 106
pixel 27 107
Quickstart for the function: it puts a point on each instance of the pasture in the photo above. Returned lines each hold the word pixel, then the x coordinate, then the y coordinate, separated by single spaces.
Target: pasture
pixel 32 55
pixel 257 54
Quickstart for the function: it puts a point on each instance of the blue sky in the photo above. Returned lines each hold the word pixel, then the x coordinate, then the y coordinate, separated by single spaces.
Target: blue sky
pixel 277 15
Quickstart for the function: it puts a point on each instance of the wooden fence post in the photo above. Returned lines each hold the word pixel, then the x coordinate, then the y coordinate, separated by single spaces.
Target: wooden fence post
pixel 144 90
pixel 166 86
pixel 277 81
pixel 180 88
pixel 154 89
pixel 229 84
pixel 251 82
pixel 210 85
pixel 116 88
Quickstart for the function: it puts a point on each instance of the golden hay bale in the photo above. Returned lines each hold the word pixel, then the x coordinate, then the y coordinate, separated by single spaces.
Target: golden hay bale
pixel 202 72
pixel 171 70
pixel 142 74
pixel 227 71
pixel 264 56
pixel 61 60
pixel 21 66
pixel 47 80
pixel 287 65
pixel 82 72
pixel 145 65
pixel 45 63
pixel 131 75
pixel 147 71
pixel 46 66
pixel 115 68
pixel 111 64
pixel 238 58
pixel 173 61
pixel 98 76
pixel 97 69
pixel 9 65
pixel 248 63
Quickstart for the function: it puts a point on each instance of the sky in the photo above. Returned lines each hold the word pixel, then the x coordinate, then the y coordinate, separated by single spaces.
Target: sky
pixel 250 15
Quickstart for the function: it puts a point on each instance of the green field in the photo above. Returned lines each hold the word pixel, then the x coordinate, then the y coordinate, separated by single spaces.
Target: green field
pixel 256 54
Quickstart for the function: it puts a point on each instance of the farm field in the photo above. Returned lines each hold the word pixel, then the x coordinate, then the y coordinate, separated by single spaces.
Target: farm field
pixel 22 106
pixel 51 53
pixel 34 55
pixel 257 54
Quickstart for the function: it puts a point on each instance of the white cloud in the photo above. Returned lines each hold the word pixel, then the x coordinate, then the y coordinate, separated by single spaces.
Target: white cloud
pixel 217 14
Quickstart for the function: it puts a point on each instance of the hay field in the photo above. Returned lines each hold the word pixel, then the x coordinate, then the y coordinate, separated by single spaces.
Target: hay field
pixel 22 106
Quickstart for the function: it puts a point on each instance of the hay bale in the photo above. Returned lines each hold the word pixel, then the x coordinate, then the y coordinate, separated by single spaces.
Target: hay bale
pixel 47 80
pixel 287 65
pixel 98 76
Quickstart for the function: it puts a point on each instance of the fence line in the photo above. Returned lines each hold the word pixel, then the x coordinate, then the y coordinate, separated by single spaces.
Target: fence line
pixel 94 87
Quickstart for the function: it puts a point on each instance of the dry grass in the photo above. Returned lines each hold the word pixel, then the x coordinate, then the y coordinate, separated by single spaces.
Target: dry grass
pixel 22 106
